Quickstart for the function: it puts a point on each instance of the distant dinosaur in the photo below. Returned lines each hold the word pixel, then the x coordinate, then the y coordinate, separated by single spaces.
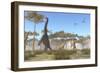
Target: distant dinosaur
pixel 45 38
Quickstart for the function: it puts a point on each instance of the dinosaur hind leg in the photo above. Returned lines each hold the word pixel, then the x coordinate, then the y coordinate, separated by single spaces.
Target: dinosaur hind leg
pixel 50 48
pixel 46 48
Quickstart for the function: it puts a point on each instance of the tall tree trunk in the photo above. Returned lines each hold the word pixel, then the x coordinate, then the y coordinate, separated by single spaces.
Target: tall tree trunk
pixel 25 39
pixel 34 38
pixel 74 45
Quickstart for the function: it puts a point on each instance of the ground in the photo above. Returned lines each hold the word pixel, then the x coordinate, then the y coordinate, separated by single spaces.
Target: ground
pixel 57 55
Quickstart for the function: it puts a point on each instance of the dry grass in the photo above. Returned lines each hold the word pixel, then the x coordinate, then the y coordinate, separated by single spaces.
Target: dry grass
pixel 57 55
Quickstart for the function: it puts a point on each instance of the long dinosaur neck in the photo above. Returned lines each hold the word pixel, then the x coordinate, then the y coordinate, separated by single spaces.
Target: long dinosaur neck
pixel 45 28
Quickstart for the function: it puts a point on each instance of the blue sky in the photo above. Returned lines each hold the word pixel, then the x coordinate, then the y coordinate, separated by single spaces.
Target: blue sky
pixel 77 23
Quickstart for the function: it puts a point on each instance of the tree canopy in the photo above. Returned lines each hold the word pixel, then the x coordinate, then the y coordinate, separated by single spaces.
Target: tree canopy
pixel 63 34
pixel 34 17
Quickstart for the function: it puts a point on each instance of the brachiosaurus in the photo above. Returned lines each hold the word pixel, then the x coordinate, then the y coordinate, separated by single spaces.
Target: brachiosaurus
pixel 45 38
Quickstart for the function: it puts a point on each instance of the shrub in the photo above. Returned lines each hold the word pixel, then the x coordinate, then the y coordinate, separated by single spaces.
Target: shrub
pixel 85 51
pixel 28 54
pixel 63 54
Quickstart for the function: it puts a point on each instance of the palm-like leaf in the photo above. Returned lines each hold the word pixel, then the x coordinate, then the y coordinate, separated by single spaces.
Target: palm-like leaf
pixel 34 17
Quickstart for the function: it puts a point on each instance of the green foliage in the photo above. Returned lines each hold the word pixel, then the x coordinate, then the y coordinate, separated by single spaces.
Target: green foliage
pixel 31 33
pixel 63 34
pixel 47 31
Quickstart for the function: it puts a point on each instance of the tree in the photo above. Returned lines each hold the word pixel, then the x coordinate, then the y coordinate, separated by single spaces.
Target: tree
pixel 25 38
pixel 49 31
pixel 26 34
pixel 36 18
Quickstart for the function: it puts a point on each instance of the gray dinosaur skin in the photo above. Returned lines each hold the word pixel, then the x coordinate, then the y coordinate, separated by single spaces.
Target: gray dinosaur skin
pixel 45 38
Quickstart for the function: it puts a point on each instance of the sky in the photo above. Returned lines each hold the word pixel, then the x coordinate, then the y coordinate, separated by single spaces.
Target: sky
pixel 78 23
